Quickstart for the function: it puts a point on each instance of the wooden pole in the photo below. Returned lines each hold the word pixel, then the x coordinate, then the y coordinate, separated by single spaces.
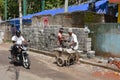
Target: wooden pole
pixel 66 6
pixel 20 14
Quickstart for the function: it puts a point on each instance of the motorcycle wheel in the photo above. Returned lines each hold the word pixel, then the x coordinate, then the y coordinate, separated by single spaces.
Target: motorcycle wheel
pixel 26 62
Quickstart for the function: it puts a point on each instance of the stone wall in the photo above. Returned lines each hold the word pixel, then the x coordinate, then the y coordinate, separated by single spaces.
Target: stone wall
pixel 46 39
pixel 5 31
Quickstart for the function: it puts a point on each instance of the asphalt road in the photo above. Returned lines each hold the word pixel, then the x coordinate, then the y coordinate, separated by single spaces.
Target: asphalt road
pixel 44 68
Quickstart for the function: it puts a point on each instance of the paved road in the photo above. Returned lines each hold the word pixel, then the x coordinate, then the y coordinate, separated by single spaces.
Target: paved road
pixel 44 68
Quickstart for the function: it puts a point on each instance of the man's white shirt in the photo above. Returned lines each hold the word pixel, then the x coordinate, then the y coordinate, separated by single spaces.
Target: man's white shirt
pixel 18 39
pixel 73 38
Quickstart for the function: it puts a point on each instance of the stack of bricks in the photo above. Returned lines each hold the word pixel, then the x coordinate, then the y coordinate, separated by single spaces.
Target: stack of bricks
pixel 90 53
pixel 87 46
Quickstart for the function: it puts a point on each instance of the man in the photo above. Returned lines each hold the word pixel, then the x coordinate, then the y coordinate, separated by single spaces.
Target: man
pixel 73 42
pixel 60 37
pixel 17 40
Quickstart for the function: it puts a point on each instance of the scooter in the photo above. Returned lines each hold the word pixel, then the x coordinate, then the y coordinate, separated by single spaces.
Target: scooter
pixel 21 57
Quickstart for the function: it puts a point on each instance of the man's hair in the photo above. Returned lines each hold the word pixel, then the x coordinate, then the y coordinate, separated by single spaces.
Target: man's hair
pixel 61 29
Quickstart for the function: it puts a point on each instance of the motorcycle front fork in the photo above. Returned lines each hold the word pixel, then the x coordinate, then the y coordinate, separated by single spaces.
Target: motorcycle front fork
pixel 23 57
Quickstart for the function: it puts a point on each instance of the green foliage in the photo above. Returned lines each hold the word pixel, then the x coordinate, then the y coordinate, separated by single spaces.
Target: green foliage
pixel 12 9
pixel 1 7
pixel 33 6
pixel 50 4
pixel 71 2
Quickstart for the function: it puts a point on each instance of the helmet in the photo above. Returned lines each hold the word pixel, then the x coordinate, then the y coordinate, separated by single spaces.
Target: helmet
pixel 18 33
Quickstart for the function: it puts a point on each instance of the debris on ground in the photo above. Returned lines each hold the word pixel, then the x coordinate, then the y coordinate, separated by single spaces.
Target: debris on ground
pixel 115 61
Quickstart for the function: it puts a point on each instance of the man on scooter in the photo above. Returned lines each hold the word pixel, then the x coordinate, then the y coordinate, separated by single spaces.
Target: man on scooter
pixel 17 40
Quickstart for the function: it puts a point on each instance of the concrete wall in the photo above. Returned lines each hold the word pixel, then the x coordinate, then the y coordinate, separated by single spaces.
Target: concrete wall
pixel 74 19
pixel 5 31
pixel 106 38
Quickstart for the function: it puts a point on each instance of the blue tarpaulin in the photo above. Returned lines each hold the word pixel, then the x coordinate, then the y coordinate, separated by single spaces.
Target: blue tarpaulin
pixel 52 12
pixel 29 16
pixel 81 7
pixel 101 7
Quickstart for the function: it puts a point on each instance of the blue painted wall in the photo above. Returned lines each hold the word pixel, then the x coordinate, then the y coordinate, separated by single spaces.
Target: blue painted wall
pixel 106 37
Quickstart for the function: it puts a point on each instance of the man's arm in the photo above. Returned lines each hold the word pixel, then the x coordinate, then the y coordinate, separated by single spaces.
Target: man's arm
pixel 24 41
pixel 74 42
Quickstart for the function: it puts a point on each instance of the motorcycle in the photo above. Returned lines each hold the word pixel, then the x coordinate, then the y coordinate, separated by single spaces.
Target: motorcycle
pixel 21 56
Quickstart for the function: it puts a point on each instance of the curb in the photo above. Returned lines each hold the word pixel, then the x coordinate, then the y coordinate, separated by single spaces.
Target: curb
pixel 42 52
pixel 100 65
pixel 81 60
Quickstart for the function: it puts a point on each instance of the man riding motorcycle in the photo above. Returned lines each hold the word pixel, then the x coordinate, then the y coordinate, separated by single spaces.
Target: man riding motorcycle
pixel 17 40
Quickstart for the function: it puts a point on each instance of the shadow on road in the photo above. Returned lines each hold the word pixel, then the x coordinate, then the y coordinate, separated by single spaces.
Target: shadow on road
pixel 15 70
